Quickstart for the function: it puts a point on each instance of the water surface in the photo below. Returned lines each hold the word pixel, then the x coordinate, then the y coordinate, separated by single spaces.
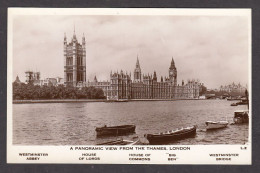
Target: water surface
pixel 74 123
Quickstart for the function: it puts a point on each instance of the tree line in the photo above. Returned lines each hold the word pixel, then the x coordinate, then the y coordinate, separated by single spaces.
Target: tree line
pixel 34 92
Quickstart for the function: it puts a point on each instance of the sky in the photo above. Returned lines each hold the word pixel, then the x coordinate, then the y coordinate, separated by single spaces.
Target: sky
pixel 212 49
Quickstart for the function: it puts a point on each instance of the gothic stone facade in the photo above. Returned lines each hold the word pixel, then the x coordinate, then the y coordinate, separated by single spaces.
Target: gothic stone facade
pixel 120 85
pixel 147 86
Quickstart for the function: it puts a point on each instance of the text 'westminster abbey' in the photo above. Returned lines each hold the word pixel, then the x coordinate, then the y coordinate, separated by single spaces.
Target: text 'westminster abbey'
pixel 120 85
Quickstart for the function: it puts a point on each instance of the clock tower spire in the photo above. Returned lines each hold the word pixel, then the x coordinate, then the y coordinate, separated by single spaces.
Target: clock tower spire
pixel 137 72
pixel 173 73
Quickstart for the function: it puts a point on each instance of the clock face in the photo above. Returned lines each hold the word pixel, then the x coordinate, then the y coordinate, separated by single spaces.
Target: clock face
pixel 171 72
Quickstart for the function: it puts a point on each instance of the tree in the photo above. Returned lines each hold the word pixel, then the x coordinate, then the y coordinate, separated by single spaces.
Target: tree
pixel 29 91
pixel 203 90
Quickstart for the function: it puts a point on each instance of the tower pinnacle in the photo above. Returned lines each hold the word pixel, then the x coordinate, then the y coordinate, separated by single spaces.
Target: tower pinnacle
pixel 83 39
pixel 137 63
pixel 172 64
pixel 74 35
pixel 65 38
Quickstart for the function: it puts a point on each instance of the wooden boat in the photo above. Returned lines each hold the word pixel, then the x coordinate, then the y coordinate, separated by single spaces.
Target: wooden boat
pixel 115 130
pixel 172 135
pixel 241 116
pixel 121 142
pixel 216 125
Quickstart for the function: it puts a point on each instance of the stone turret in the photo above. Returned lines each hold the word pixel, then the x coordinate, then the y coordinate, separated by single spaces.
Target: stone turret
pixel 74 61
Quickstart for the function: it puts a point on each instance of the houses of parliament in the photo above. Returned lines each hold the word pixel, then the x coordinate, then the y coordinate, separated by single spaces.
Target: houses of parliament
pixel 121 85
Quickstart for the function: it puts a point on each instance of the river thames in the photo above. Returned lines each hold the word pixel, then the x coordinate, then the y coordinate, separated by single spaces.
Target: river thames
pixel 74 123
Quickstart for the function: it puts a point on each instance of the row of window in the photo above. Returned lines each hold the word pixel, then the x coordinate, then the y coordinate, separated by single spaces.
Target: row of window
pixel 80 77
pixel 69 61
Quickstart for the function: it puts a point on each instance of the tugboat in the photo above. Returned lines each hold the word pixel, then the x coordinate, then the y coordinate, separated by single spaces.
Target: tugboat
pixel 241 116
pixel 172 135
pixel 115 130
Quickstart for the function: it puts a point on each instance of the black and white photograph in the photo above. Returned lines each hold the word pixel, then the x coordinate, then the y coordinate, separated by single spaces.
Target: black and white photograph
pixel 129 79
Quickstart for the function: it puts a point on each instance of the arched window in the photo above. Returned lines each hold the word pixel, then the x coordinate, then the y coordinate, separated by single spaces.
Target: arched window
pixel 69 61
pixel 79 60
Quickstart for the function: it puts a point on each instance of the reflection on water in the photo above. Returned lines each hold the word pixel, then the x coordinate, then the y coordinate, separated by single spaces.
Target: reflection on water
pixel 74 123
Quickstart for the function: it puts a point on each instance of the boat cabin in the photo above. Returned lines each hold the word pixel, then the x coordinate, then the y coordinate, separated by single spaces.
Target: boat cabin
pixel 241 116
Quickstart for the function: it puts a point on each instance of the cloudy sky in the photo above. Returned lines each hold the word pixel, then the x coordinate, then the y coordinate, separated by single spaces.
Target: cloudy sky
pixel 213 49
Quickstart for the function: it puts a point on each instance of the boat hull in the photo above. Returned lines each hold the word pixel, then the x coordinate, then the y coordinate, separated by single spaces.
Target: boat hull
pixel 121 142
pixel 167 138
pixel 116 130
pixel 216 125
pixel 240 120
pixel 241 103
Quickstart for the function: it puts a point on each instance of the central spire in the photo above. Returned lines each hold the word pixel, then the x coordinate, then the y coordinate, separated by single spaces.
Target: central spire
pixel 74 35
pixel 137 63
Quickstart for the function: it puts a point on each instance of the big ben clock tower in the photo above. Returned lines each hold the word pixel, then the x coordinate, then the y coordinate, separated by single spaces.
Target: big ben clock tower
pixel 137 72
pixel 173 73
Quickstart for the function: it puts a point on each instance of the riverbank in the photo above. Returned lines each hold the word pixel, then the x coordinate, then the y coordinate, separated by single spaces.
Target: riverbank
pixel 85 100
pixel 58 101
pixel 160 99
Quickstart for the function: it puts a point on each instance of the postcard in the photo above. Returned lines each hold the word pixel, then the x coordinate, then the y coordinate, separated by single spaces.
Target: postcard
pixel 129 86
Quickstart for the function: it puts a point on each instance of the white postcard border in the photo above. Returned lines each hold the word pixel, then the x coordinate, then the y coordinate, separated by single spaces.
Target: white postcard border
pixel 198 154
